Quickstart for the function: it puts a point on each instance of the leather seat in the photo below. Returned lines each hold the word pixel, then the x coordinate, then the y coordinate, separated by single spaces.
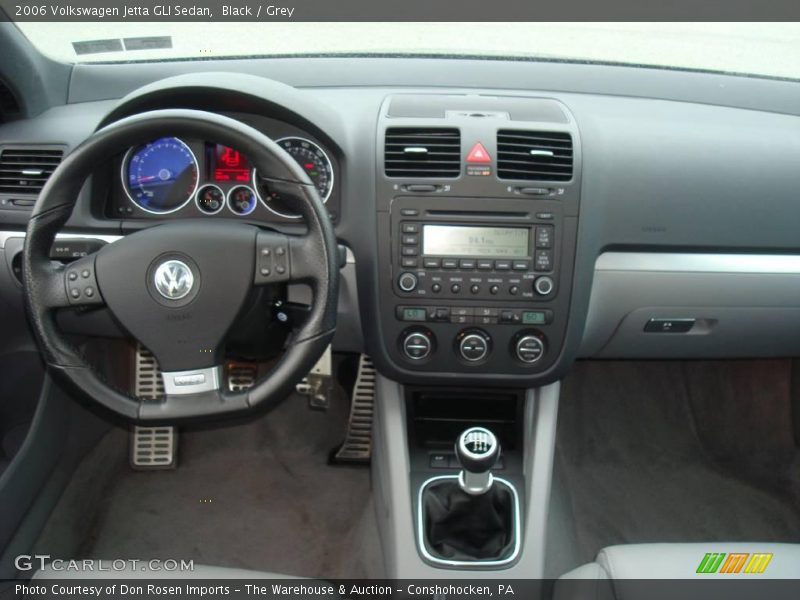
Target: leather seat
pixel 129 572
pixel 682 561
pixel 686 571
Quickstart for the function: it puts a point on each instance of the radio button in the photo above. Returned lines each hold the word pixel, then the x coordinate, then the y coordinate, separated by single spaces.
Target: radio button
pixel 485 265
pixel 513 290
pixel 407 282
pixel 494 290
pixel 544 237
pixel 411 239
pixel 486 312
pixel 462 319
pixel 409 262
pixel 467 263
pixel 436 288
pixel 409 251
pixel 462 311
pixel 475 289
pixel 410 228
pixel 409 212
pixel 521 265
pixel 502 265
pixel 449 263
pixel 455 288
pixel 431 263
pixel 544 260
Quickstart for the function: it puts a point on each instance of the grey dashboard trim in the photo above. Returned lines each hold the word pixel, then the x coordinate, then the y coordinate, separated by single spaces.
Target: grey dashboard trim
pixel 6 235
pixel 698 263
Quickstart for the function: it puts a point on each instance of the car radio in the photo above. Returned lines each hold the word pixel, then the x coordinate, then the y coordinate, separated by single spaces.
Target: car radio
pixel 486 261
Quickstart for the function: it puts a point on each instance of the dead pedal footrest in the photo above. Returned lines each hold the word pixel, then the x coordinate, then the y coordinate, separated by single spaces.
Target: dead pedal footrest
pixel 357 445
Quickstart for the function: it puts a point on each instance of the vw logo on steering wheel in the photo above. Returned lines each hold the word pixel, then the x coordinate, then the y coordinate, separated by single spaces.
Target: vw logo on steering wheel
pixel 173 279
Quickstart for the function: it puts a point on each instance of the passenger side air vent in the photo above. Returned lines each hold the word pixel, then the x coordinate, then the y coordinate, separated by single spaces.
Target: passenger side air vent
pixel 24 171
pixel 545 155
pixel 423 152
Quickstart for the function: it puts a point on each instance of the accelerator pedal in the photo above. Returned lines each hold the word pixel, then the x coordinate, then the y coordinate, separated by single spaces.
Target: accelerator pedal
pixel 151 447
pixel 357 445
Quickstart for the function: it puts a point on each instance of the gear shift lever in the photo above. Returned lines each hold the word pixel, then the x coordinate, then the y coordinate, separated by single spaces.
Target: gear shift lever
pixel 477 450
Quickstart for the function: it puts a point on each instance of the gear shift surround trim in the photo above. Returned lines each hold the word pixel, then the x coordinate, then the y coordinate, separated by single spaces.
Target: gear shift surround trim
pixel 477 563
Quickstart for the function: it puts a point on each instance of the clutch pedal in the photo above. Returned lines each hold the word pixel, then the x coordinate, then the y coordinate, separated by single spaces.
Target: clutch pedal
pixel 151 447
pixel 357 445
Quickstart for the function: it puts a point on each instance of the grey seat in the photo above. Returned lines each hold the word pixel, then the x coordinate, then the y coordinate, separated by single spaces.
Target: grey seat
pixel 686 571
pixel 130 572
pixel 682 561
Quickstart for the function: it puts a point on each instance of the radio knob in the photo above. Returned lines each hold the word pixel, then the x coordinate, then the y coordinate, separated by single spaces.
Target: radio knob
pixel 407 282
pixel 543 286
pixel 529 349
pixel 474 347
pixel 417 346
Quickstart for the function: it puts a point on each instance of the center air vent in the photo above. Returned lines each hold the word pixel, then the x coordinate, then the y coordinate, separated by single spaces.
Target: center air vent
pixel 24 171
pixel 423 152
pixel 544 155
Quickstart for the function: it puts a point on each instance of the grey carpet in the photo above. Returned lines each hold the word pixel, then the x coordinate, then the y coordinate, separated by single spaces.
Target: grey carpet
pixel 672 451
pixel 258 496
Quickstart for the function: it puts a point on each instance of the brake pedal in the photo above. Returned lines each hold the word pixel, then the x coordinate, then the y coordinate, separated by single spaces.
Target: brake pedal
pixel 357 445
pixel 151 447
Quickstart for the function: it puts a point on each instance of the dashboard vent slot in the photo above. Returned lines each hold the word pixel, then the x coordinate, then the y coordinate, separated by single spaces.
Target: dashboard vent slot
pixel 423 152
pixel 24 171
pixel 545 155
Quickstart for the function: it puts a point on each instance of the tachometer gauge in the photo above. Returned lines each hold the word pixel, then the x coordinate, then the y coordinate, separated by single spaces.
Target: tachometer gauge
pixel 160 177
pixel 315 163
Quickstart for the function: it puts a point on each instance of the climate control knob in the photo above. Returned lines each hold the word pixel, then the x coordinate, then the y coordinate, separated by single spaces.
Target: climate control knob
pixel 474 345
pixel 529 349
pixel 407 282
pixel 417 346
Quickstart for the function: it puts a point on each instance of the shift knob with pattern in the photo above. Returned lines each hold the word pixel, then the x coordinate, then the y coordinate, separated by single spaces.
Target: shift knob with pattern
pixel 477 450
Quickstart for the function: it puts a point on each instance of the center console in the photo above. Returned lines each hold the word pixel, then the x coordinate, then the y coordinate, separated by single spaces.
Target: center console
pixel 478 212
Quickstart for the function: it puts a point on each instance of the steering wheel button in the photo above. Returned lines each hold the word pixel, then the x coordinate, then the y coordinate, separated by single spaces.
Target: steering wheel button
pixel 265 271
pixel 85 273
pixel 280 251
pixel 265 252
pixel 72 276
pixel 280 269
pixel 89 292
pixel 75 293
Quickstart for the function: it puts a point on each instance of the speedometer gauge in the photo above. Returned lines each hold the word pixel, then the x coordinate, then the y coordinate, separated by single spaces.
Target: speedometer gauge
pixel 314 162
pixel 160 177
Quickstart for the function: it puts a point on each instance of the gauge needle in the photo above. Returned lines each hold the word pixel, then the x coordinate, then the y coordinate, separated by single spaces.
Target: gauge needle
pixel 146 178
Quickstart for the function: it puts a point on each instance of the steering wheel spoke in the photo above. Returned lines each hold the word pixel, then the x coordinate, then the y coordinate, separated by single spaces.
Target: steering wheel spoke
pixel 192 381
pixel 80 283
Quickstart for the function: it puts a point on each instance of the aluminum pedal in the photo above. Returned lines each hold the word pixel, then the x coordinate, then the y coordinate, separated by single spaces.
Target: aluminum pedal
pixel 357 445
pixel 241 376
pixel 153 448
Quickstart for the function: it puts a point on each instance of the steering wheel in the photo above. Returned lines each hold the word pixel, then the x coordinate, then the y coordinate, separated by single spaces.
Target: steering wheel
pixel 178 287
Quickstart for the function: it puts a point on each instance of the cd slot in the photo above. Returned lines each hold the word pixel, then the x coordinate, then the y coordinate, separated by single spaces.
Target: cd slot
pixel 478 214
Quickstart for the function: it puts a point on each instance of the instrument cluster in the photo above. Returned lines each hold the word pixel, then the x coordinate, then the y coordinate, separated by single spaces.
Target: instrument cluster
pixel 172 177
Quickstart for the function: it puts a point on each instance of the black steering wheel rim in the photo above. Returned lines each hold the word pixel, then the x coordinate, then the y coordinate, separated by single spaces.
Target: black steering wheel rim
pixel 313 259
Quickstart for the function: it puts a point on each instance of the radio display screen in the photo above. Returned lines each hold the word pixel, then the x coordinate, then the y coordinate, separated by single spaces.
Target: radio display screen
pixel 489 242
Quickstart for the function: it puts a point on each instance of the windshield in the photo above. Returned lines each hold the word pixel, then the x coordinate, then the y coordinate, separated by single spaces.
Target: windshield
pixel 767 49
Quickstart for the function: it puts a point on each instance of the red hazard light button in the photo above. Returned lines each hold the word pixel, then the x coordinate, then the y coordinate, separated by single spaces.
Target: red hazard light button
pixel 478 154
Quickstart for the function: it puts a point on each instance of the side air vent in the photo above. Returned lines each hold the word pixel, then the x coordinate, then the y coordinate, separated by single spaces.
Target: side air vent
pixel 545 155
pixel 418 152
pixel 24 171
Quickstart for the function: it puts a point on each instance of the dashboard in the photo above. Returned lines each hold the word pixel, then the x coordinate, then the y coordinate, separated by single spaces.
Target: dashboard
pixel 173 177
pixel 503 218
